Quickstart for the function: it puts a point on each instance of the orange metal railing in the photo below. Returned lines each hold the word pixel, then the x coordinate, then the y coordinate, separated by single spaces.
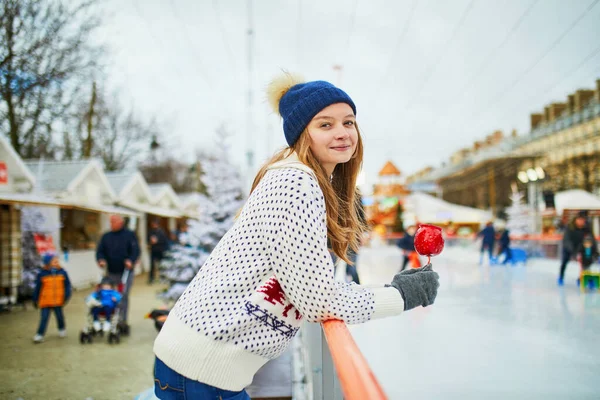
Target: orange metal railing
pixel 356 378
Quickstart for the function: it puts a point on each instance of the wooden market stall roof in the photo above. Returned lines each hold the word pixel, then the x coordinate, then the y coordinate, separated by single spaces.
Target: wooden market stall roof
pixel 164 195
pixel 64 178
pixel 14 167
pixel 576 199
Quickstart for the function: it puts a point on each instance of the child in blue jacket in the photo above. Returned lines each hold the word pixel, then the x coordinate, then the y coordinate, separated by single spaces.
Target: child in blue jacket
pixel 107 299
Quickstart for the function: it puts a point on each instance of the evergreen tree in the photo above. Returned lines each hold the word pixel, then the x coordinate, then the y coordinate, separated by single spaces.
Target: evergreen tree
pixel 179 268
pixel 217 210
pixel 32 221
pixel 223 200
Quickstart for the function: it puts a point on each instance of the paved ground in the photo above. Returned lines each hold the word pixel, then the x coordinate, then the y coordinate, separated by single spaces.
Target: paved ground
pixel 494 333
pixel 66 370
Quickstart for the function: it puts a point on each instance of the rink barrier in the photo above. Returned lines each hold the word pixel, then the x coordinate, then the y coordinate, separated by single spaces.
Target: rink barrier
pixel 357 381
pixel 336 368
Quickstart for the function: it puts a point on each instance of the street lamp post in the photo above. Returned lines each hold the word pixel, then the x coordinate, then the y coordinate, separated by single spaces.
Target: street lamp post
pixel 533 177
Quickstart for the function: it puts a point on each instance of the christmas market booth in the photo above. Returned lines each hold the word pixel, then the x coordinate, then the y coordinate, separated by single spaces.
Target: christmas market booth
pixel 190 202
pixel 133 192
pixel 165 198
pixel 567 204
pixel 16 185
pixel 427 209
pixel 86 202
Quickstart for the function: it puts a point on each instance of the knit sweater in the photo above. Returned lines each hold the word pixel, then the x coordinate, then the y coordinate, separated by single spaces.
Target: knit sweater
pixel 270 271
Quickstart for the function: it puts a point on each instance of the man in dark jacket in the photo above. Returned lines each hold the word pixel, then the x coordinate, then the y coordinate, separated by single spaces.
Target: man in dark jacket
pixel 159 244
pixel 117 251
pixel 488 235
pixel 572 241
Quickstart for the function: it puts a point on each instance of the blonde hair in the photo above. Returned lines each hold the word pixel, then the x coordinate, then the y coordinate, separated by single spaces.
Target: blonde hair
pixel 344 228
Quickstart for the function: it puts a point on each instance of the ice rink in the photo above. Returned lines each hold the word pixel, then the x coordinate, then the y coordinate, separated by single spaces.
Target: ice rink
pixel 494 332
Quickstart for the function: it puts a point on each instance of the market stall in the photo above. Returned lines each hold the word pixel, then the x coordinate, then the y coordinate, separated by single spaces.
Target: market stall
pixel 133 192
pixel 424 208
pixel 86 203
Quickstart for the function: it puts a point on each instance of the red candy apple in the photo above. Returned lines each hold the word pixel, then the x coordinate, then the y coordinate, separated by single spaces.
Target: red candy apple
pixel 429 241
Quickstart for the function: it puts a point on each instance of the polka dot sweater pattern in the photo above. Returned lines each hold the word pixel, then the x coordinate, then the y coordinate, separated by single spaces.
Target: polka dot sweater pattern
pixel 271 271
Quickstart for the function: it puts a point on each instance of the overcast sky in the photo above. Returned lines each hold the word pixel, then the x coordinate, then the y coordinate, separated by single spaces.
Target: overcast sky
pixel 428 76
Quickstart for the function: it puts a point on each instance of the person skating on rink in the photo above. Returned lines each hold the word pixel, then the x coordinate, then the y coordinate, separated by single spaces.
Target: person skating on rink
pixel 407 244
pixel 572 240
pixel 488 239
pixel 504 247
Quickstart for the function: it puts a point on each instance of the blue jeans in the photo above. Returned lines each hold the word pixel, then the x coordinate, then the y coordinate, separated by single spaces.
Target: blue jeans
pixel 170 385
pixel 108 312
pixel 58 311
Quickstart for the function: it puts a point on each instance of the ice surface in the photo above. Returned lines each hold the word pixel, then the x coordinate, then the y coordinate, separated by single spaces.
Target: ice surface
pixel 494 332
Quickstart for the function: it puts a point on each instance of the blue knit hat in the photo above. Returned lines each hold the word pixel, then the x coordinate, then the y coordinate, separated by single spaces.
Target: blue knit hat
pixel 299 102
pixel 47 258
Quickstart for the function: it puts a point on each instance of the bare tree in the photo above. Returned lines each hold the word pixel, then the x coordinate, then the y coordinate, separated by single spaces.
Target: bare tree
pixel 107 130
pixel 180 175
pixel 162 165
pixel 45 52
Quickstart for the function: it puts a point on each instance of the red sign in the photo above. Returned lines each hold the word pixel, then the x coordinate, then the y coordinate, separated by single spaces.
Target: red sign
pixel 3 173
pixel 44 243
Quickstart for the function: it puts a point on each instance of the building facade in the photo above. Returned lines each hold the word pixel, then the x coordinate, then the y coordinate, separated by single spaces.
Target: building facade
pixel 564 141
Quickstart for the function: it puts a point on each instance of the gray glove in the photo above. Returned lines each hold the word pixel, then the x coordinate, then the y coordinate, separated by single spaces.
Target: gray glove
pixel 418 286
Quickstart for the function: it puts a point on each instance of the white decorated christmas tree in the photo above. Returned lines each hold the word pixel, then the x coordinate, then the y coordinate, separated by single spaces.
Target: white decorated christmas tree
pixel 519 221
pixel 217 210
pixel 223 198
pixel 32 221
pixel 179 267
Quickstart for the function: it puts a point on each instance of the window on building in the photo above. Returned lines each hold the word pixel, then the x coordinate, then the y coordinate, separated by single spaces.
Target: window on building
pixel 80 230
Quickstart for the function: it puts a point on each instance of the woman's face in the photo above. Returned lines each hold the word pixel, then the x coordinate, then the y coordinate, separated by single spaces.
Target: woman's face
pixel 333 135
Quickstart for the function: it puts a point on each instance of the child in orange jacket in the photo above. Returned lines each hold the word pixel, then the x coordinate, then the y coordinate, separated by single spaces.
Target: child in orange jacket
pixel 52 291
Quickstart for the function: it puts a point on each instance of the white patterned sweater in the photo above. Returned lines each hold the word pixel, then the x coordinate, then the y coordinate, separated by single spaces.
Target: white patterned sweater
pixel 268 273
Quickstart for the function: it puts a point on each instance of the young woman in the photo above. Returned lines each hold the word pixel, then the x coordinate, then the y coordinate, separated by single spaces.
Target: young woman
pixel 272 270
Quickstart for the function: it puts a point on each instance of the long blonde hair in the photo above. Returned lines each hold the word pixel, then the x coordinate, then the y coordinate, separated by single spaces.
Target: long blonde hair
pixel 344 228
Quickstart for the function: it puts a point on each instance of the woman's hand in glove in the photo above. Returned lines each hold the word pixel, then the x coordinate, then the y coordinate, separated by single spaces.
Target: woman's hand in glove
pixel 418 286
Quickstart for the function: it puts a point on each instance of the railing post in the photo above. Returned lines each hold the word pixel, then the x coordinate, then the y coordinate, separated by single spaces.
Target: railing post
pixel 331 383
pixel 324 380
pixel 313 334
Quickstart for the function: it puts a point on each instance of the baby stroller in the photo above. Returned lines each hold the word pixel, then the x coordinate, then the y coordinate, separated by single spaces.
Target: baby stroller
pixel 117 327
